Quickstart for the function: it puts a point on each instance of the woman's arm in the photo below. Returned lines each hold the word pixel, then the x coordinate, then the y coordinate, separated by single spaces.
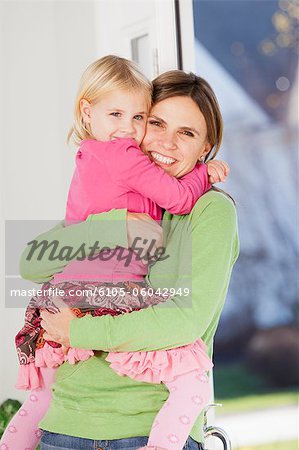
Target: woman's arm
pixel 40 261
pixel 172 324
pixel 46 255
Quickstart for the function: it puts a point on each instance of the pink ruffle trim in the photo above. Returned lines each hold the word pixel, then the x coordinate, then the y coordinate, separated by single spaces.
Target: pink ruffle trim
pixel 77 354
pixel 29 376
pixel 163 365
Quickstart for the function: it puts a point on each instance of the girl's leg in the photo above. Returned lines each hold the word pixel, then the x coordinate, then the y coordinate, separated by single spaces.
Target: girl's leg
pixel 22 433
pixel 188 395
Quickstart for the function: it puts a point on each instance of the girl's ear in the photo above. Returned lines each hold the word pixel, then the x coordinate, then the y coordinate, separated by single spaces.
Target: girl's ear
pixel 85 108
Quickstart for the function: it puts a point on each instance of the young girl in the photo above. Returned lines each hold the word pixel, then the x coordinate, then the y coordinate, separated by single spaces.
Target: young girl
pixel 112 172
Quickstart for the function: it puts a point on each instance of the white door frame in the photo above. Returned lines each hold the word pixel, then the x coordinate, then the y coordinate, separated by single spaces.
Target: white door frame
pixel 185 34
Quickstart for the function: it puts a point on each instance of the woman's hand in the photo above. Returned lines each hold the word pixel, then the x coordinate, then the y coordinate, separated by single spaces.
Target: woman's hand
pixel 217 171
pixel 144 233
pixel 57 326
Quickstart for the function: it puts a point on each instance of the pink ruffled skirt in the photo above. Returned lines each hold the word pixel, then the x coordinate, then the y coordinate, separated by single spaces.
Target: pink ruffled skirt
pixel 151 367
pixel 162 365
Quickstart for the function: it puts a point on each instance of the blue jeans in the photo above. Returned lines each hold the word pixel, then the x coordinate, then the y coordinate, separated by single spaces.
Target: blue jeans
pixel 54 441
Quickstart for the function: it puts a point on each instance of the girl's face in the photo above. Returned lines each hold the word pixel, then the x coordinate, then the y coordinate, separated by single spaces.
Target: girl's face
pixel 119 114
pixel 176 135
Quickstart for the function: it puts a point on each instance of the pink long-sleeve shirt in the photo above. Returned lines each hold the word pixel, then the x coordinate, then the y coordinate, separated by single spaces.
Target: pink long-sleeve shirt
pixel 117 175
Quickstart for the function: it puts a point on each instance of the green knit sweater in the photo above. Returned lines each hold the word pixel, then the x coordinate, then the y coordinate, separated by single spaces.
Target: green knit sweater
pixel 89 399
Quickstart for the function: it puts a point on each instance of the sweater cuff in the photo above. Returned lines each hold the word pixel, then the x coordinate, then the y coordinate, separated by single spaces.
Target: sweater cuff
pixel 87 330
pixel 109 228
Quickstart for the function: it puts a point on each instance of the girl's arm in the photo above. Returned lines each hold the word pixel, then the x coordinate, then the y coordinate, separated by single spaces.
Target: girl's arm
pixel 129 167
pixel 176 322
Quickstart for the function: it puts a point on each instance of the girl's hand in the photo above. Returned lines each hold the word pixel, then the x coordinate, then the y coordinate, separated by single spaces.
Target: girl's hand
pixel 57 326
pixel 217 171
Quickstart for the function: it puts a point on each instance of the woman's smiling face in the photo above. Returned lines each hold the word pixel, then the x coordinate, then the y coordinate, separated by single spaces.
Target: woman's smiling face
pixel 176 135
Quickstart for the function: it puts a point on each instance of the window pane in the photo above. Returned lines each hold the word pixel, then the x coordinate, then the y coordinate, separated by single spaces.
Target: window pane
pixel 141 53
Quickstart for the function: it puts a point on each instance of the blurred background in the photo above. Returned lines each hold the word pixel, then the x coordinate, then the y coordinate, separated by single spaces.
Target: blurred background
pixel 248 51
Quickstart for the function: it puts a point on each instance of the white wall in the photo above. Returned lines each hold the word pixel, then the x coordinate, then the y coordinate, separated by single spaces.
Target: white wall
pixel 45 47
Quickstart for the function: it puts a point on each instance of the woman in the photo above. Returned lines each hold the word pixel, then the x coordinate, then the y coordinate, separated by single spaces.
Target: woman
pixel 92 406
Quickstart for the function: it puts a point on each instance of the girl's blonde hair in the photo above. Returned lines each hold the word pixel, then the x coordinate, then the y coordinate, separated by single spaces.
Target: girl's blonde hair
pixel 101 77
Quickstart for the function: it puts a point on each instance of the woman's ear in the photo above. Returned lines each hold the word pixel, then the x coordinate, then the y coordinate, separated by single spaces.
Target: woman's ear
pixel 207 148
pixel 85 108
